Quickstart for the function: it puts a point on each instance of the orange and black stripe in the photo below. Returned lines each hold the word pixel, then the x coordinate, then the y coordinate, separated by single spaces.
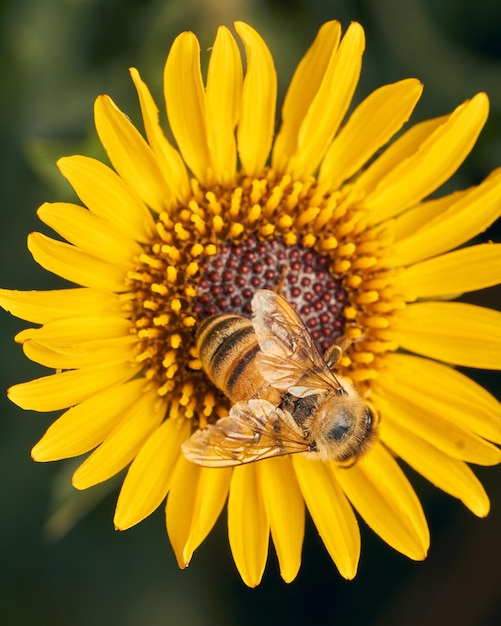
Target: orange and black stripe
pixel 227 346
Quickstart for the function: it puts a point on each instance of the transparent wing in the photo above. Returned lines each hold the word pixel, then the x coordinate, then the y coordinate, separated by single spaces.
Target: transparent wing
pixel 254 430
pixel 289 358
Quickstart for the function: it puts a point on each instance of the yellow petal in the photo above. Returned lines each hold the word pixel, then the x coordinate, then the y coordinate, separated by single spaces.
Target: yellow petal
pixel 170 161
pixel 396 153
pixel 285 509
pixel 75 265
pixel 463 401
pixel 78 329
pixel 41 307
pixel 150 475
pixel 369 127
pixel 195 501
pixel 59 391
pixel 446 473
pixel 432 164
pixel 431 420
pixel 331 513
pixel 420 216
pixel 129 153
pixel 379 490
pixel 468 269
pixel 84 426
pixel 330 103
pixel 185 101
pixel 454 332
pixel 257 121
pixel 223 103
pixel 123 443
pixel 81 355
pixel 89 232
pixel 470 215
pixel 105 194
pixel 304 85
pixel 248 526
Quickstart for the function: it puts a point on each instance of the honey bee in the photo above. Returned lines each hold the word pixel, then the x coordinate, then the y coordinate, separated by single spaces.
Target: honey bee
pixel 285 398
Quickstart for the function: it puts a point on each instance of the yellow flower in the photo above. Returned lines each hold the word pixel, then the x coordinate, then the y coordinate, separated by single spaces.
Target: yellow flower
pixel 171 235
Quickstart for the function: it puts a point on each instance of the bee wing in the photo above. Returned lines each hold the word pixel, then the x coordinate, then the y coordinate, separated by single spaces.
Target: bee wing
pixel 288 353
pixel 254 430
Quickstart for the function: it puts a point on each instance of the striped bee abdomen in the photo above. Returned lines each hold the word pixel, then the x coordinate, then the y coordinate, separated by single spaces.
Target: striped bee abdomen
pixel 227 346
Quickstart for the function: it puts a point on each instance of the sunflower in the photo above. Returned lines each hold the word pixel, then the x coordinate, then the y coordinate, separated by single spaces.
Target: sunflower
pixel 170 235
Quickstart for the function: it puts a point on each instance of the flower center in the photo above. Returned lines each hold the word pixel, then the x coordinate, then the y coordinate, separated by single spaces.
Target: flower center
pixel 231 277
pixel 211 255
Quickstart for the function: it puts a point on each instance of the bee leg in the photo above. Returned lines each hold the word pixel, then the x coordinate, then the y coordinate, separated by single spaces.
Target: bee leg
pixel 278 289
pixel 333 354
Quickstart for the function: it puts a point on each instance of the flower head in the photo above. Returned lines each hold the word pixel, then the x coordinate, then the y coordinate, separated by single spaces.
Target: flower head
pixel 169 236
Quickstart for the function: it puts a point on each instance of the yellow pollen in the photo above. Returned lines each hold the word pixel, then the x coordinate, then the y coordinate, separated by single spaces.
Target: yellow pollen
pixel 209 403
pixel 161 320
pixel 149 353
pixel 165 220
pixel 293 197
pixel 236 229
pixel 192 268
pixel 217 223
pixel 272 202
pixel 307 216
pixel 350 313
pixel 186 394
pixel 196 250
pixel 376 321
pixel 266 230
pixel 171 370
pixel 367 297
pixel 346 227
pixel 159 288
pixel 190 291
pixel 353 281
pixel 290 238
pixel 185 215
pixel 171 274
pixel 148 333
pixel 309 240
pixel 175 305
pixel 254 214
pixel 341 266
pixel 347 249
pixel 199 224
pixel 150 261
pixel 169 358
pixel 181 232
pixel 175 340
pixel 285 222
pixel 172 253
pixel 353 333
pixel 329 243
pixel 384 307
pixel 210 249
pixel 190 409
pixel 364 262
pixel 189 321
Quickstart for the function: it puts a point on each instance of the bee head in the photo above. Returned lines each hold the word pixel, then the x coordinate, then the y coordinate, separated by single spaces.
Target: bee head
pixel 345 426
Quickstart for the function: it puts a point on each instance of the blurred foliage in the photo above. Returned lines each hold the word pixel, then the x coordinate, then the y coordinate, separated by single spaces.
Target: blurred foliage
pixel 55 57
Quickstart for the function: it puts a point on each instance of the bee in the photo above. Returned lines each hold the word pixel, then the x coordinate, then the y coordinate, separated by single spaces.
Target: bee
pixel 285 397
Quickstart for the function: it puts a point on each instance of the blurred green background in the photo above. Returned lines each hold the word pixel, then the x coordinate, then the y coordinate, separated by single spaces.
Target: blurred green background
pixel 56 57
